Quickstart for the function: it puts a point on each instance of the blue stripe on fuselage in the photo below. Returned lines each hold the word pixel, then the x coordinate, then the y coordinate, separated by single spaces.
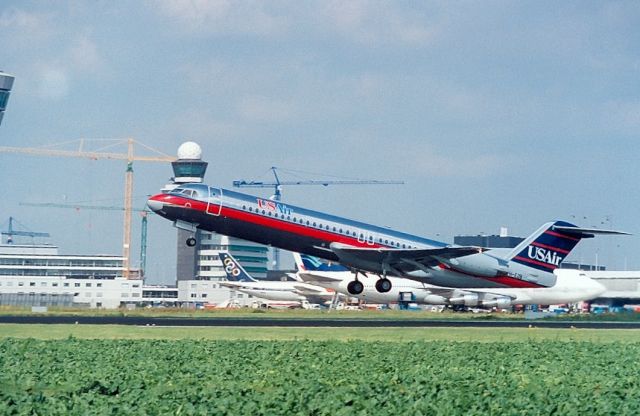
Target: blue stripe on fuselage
pixel 229 197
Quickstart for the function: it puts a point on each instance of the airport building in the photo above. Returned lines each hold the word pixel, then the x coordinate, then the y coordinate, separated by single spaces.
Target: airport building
pixel 38 275
pixel 6 83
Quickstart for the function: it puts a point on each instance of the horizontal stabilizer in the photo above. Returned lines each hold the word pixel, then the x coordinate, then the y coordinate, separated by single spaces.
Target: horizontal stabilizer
pixel 307 290
pixel 587 231
pixel 312 277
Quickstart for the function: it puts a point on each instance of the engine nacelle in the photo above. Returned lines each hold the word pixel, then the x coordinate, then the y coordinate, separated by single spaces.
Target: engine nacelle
pixel 466 300
pixel 435 300
pixel 478 264
pixel 500 303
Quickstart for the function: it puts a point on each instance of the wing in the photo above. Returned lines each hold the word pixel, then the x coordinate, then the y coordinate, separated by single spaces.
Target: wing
pixel 308 290
pixel 312 277
pixel 397 261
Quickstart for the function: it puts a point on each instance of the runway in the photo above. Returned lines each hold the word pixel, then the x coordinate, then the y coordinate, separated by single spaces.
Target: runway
pixel 310 323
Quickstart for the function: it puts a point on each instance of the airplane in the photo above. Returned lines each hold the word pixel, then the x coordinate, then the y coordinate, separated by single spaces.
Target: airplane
pixel 366 248
pixel 571 286
pixel 294 292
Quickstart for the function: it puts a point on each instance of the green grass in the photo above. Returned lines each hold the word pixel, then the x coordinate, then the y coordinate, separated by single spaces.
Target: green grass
pixel 44 331
pixel 221 377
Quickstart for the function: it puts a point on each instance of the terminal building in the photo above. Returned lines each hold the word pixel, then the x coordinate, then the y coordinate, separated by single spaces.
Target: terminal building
pixel 37 275
pixel 6 83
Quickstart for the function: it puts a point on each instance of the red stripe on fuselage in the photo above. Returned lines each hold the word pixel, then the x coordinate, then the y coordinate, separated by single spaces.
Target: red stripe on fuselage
pixel 552 267
pixel 559 250
pixel 555 234
pixel 266 221
pixel 503 280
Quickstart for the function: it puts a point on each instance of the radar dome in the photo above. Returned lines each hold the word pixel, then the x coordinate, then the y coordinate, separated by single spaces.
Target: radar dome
pixel 190 150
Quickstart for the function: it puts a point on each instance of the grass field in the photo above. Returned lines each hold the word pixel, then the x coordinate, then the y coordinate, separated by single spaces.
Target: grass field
pixel 43 331
pixel 304 377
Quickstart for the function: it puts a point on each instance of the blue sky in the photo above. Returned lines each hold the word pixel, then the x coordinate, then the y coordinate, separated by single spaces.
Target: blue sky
pixel 494 113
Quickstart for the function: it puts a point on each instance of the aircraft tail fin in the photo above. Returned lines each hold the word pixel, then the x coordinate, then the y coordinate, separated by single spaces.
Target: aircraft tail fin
pixel 235 272
pixel 305 262
pixel 549 245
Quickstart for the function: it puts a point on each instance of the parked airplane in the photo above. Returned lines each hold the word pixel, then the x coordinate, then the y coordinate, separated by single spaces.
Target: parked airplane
pixel 370 249
pixel 570 286
pixel 296 292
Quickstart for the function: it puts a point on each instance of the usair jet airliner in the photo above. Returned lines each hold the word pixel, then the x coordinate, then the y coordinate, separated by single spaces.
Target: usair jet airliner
pixel 370 249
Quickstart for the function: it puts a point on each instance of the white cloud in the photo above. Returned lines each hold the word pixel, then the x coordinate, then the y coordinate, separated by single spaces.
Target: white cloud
pixel 425 160
pixel 622 116
pixel 84 55
pixel 20 29
pixel 264 109
pixel 378 22
pixel 221 16
pixel 53 83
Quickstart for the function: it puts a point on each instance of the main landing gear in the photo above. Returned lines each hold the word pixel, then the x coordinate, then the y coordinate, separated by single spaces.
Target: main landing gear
pixel 191 241
pixel 383 285
pixel 355 287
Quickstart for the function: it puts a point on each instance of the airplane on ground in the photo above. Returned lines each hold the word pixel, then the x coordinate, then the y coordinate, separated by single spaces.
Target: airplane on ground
pixel 570 286
pixel 366 248
pixel 295 292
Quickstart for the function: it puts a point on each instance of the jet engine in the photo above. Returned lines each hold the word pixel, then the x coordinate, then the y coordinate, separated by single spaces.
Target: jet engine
pixel 435 300
pixel 477 264
pixel 470 299
pixel 500 303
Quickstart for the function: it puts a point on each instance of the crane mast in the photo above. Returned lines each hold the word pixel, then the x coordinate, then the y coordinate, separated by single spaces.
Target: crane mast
pixel 129 157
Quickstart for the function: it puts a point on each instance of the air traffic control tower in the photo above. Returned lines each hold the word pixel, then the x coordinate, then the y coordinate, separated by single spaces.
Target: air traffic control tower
pixel 6 83
pixel 189 168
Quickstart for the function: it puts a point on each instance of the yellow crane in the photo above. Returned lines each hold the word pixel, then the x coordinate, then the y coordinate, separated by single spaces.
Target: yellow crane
pixel 130 157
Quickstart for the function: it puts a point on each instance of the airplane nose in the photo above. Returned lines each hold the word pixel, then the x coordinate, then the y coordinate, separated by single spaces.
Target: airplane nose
pixel 155 205
pixel 597 288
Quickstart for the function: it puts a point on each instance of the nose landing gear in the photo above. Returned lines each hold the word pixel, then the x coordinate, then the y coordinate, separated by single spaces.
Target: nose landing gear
pixel 191 241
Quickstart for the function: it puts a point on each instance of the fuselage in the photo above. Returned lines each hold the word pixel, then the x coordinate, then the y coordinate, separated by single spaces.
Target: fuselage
pixel 571 286
pixel 306 231
pixel 281 291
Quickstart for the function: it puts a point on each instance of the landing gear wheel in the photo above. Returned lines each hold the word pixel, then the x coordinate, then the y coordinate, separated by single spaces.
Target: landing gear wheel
pixel 355 287
pixel 383 285
pixel 191 241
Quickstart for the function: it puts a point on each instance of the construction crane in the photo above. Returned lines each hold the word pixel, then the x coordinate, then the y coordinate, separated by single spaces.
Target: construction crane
pixel 11 232
pixel 277 185
pixel 143 213
pixel 101 154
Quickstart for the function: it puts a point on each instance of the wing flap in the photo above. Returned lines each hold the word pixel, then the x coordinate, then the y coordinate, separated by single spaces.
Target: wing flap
pixel 378 259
